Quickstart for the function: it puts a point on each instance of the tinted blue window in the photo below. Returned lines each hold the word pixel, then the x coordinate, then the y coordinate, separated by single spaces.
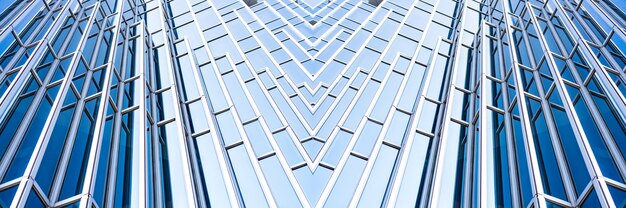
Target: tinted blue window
pixel 605 161
pixel 342 191
pixel 53 151
pixel 6 196
pixel 249 186
pixel 503 186
pixel 591 201
pixel 573 155
pixel 619 196
pixel 172 165
pixel 548 166
pixel 522 164
pixel 14 118
pixel 77 165
pixel 124 188
pixel 24 152
pixel 33 200
pixel 103 163
pixel 613 122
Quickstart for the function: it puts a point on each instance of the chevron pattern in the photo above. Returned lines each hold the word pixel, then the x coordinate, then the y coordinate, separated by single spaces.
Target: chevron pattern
pixel 334 89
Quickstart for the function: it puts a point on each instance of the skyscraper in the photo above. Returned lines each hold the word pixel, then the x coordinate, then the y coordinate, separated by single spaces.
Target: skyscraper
pixel 312 103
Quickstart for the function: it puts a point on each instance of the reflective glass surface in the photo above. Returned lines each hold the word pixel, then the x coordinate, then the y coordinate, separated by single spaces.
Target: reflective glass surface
pixel 312 103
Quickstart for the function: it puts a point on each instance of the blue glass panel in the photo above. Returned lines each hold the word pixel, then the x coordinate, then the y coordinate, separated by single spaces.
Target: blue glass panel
pixel 428 117
pixel 214 185
pixel 591 201
pixel 228 128
pixel 258 139
pixel 172 165
pixel 165 105
pixel 197 117
pixel 33 200
pixel 367 138
pixel 77 165
pixel 7 42
pixel 613 122
pixel 522 164
pixel 279 183
pixel 12 121
pixel 72 205
pixel 24 151
pixel 130 69
pixel 619 196
pixel 28 30
pixel 379 178
pixel 189 88
pixel 573 155
pixel 60 38
pixel 103 52
pixel 548 166
pixel 241 102
pixel 501 162
pixel 553 205
pixel 249 186
pixel 53 151
pixel 413 181
pixel 103 163
pixel 346 183
pixel 6 196
pixel 605 160
pixel 125 181
pixel 522 54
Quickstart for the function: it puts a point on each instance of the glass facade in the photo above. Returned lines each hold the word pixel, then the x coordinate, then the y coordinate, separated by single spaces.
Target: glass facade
pixel 312 103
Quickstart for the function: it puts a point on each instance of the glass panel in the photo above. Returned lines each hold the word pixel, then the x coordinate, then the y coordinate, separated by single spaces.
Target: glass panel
pixel 249 186
pixel 239 97
pixel 25 150
pixel 387 96
pixel 196 114
pixel 346 184
pixel 172 165
pixel 613 121
pixel 77 165
pixel 398 127
pixel 501 177
pixel 12 122
pixel 573 155
pixel 228 128
pixel 411 186
pixel 165 105
pixel 258 138
pixel 379 178
pixel 212 178
pixel 591 201
pixel 127 178
pixel 103 163
pixel 553 205
pixel 454 163
pixel 428 117
pixel 619 196
pixel 189 88
pixel 605 160
pixel 279 183
pixel 6 196
pixel 53 151
pixel 522 164
pixel 548 166
pixel 33 200
pixel 367 138
pixel 73 205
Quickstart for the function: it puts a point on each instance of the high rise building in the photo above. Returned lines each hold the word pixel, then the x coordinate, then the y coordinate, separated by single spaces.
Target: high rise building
pixel 312 103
